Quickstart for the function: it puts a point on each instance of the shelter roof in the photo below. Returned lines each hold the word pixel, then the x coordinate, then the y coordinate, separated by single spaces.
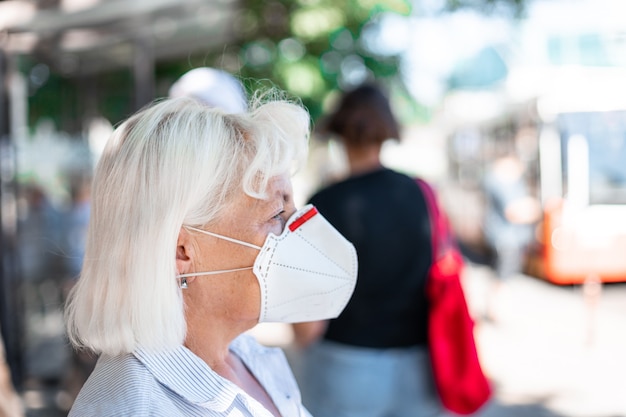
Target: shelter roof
pixel 89 36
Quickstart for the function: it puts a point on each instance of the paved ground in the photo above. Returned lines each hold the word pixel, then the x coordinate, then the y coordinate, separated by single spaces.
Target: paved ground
pixel 550 355
pixel 554 352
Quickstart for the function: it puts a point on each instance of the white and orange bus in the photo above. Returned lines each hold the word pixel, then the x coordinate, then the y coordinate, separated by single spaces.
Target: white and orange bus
pixel 576 160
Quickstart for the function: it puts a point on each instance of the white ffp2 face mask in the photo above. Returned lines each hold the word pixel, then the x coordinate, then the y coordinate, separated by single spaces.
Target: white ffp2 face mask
pixel 306 273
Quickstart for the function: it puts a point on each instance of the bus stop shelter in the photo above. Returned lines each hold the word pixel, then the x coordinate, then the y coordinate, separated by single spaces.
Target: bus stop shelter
pixel 80 39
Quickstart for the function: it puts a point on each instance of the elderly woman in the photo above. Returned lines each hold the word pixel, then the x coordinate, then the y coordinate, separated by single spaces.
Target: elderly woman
pixel 194 239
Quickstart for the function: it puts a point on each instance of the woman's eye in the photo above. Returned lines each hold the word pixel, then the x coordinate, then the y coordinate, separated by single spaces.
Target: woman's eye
pixel 279 216
pixel 279 221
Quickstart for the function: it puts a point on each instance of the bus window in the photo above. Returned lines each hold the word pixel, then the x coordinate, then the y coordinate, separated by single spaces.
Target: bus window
pixel 605 134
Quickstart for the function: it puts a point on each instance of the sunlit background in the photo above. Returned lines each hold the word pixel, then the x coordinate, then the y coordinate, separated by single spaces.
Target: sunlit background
pixel 466 78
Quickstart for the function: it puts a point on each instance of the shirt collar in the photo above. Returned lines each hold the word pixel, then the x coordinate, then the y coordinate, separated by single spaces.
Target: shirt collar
pixel 186 374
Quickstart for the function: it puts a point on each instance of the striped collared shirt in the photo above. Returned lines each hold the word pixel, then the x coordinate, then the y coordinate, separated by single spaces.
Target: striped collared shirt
pixel 178 383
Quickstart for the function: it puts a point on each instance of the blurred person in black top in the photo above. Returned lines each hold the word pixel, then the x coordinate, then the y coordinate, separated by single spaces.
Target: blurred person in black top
pixel 373 359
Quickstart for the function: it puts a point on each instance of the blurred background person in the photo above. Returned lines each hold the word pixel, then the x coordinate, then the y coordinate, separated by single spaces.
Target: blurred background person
pixel 76 220
pixel 213 87
pixel 373 359
pixel 40 248
pixel 510 214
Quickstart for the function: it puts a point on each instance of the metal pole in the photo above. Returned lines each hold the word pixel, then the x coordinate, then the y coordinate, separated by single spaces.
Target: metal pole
pixel 11 297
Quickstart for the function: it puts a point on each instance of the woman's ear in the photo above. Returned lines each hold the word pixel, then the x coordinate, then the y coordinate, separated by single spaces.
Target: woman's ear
pixel 183 252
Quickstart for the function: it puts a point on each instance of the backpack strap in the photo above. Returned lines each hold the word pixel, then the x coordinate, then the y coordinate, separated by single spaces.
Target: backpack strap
pixel 441 237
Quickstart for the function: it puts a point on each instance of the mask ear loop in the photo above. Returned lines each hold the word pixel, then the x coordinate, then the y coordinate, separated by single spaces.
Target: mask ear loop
pixel 182 279
pixel 230 239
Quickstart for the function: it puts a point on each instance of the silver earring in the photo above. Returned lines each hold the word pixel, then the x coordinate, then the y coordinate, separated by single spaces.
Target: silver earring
pixel 183 283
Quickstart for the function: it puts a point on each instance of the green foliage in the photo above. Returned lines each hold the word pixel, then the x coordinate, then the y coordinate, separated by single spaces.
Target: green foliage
pixel 64 99
pixel 305 46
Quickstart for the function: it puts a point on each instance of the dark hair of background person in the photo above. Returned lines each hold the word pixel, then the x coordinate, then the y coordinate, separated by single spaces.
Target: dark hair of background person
pixel 363 117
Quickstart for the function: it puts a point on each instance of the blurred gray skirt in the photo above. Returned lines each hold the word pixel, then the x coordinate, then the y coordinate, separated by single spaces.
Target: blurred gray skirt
pixel 340 380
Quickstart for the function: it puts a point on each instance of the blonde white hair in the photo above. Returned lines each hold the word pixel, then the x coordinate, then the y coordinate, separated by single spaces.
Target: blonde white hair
pixel 176 162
